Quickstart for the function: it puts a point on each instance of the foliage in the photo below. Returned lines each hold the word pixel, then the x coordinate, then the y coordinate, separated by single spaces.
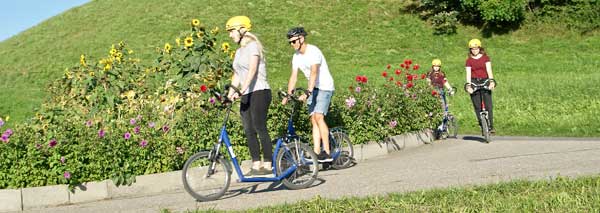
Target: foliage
pixel 444 15
pixel 580 15
pixel 402 103
pixel 113 118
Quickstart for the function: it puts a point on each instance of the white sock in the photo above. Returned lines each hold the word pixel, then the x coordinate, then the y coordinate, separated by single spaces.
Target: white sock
pixel 256 165
pixel 267 165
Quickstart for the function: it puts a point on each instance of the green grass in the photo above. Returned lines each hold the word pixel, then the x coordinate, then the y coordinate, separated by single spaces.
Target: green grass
pixel 557 195
pixel 546 74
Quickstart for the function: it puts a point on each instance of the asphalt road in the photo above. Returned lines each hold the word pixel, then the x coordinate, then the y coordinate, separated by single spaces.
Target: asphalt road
pixel 453 162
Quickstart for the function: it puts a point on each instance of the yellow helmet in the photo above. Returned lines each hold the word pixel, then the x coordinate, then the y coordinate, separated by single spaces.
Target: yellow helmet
pixel 237 22
pixel 436 62
pixel 474 43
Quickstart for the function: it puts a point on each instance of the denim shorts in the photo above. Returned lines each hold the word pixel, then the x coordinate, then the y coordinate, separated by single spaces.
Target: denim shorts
pixel 319 101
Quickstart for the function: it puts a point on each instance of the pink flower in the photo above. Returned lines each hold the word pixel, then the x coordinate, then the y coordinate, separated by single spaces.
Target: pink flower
pixel 136 130
pixel 88 123
pixel 350 102
pixel 52 143
pixel 179 150
pixel 62 159
pixel 211 100
pixel 8 132
pixel 393 123
pixel 101 133
pixel 1 122
pixel 4 138
pixel 127 135
pixel 358 89
pixel 143 143
pixel 67 175
pixel 132 121
pixel 151 124
pixel 165 128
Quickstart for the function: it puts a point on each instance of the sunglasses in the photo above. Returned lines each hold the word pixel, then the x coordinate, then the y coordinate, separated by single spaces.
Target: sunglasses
pixel 294 41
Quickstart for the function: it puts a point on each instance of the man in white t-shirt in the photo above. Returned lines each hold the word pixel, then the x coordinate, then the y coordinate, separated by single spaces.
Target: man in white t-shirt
pixel 310 60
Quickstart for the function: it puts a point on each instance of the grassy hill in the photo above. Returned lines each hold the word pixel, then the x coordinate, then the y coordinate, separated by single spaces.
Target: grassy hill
pixel 547 75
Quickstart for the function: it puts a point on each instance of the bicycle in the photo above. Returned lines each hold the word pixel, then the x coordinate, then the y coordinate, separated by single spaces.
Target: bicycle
pixel 342 153
pixel 449 126
pixel 483 115
pixel 206 175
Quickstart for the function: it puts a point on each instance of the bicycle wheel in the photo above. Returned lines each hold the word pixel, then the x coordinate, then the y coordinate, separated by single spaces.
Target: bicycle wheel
pixel 342 147
pixel 452 128
pixel 202 182
pixel 305 159
pixel 485 128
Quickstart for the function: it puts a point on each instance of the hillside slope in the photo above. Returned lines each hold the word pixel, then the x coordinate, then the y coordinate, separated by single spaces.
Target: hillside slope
pixel 357 37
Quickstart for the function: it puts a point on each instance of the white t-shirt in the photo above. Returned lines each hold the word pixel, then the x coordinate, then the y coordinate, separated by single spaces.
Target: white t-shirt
pixel 241 64
pixel 311 56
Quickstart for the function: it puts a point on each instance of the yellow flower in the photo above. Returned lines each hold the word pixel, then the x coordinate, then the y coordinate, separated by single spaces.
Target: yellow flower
pixel 199 34
pixel 130 52
pixel 225 47
pixel 107 67
pixel 113 51
pixel 189 41
pixel 215 31
pixel 82 60
pixel 195 22
pixel 91 73
pixel 119 55
pixel 130 94
pixel 231 54
pixel 7 118
pixel 68 74
pixel 121 44
pixel 178 42
pixel 167 47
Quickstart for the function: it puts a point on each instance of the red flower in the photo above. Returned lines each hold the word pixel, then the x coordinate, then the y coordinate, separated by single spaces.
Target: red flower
pixel 416 67
pixel 398 71
pixel 358 78
pixel 423 76
pixel 384 74
pixel 403 65
pixel 388 66
pixel 434 92
pixel 391 79
pixel 408 62
pixel 364 79
pixel 409 85
pixel 415 76
pixel 409 77
pixel 399 83
pixel 203 88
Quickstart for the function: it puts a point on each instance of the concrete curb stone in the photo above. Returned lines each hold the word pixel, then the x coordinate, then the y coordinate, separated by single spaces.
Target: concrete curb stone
pixel 45 196
pixel 10 200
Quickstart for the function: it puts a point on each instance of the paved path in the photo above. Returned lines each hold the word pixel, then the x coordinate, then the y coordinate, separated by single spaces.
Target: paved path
pixel 457 162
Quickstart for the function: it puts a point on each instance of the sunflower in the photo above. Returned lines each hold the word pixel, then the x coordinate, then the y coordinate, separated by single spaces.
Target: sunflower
pixel 167 47
pixel 225 47
pixel 82 60
pixel 199 34
pixel 189 41
pixel 195 22
pixel 215 31
pixel 113 51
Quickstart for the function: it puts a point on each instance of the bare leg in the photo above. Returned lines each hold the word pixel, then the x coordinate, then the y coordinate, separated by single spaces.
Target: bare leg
pixel 316 134
pixel 323 131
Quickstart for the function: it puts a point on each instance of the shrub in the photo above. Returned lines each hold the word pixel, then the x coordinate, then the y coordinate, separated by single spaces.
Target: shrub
pixel 114 118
